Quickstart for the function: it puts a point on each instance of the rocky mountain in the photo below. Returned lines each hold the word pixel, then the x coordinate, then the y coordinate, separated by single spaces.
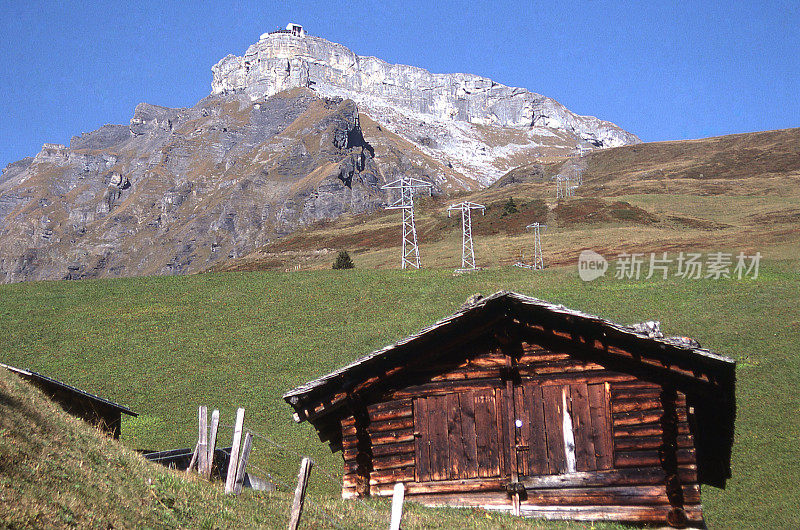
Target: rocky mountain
pixel 297 131
pixel 478 126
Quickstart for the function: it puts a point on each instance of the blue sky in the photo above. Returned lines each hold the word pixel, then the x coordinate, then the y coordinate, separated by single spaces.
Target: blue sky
pixel 664 71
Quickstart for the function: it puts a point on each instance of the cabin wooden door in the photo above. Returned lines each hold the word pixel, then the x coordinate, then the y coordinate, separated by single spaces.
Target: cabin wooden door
pixel 521 430
pixel 561 428
pixel 458 435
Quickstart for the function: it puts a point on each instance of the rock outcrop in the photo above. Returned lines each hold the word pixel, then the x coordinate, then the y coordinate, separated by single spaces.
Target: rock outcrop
pixel 178 190
pixel 407 95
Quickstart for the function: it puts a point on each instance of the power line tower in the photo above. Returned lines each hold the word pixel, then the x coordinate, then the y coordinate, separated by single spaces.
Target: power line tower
pixel 467 250
pixel 565 187
pixel 538 230
pixel 577 163
pixel 407 185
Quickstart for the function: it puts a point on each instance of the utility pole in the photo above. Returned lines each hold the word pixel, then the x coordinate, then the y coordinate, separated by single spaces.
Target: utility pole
pixel 538 230
pixel 467 250
pixel 407 185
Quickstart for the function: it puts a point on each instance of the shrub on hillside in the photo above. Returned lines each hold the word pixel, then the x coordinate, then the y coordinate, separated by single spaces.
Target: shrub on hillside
pixel 343 261
pixel 509 207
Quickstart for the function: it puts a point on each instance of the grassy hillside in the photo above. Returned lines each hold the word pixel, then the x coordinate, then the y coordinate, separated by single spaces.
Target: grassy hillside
pixel 165 345
pixel 58 472
pixel 733 193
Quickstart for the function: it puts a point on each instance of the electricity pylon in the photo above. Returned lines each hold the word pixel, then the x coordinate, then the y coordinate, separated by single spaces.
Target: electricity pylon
pixel 407 185
pixel 467 250
pixel 538 230
pixel 564 187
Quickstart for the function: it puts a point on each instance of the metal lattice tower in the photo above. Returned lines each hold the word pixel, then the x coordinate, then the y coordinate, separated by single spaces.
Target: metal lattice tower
pixel 538 230
pixel 407 185
pixel 467 250
pixel 565 187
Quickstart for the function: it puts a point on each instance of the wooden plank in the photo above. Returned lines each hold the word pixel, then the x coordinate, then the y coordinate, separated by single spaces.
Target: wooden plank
pixel 621 495
pixel 392 405
pixel 391 424
pixel 582 377
pixel 560 367
pixel 537 454
pixel 421 440
pixel 242 466
pixel 455 437
pixel 202 441
pixel 397 506
pixel 193 460
pixel 567 428
pixel 649 429
pixel 654 515
pixel 440 388
pixel 582 425
pixel 486 435
pixel 393 449
pixel 212 440
pixel 491 499
pixel 651 458
pixel 448 486
pixel 390 437
pixel 466 402
pixel 612 477
pixel 628 405
pixel 556 457
pixel 235 446
pixel 637 417
pixel 439 448
pixel 299 493
pixel 523 431
pixel 601 425
pixel 500 419
pixel 530 358
pixel 509 417
pixel 392 461
pixel 462 374
pixel 636 384
pixel 390 476
pixel 631 443
pixel 393 414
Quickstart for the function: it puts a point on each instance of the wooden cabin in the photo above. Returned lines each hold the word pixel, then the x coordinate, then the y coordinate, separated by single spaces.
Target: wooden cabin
pixel 102 413
pixel 520 405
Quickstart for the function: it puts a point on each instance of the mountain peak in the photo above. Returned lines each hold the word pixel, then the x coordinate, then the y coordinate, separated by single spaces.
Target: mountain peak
pixel 292 58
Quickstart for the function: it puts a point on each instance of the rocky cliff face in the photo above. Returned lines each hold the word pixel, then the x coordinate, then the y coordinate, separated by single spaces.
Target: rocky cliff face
pixel 447 115
pixel 178 190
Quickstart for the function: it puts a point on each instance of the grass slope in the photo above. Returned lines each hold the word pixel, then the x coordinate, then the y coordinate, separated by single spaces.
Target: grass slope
pixel 164 345
pixel 58 472
pixel 731 193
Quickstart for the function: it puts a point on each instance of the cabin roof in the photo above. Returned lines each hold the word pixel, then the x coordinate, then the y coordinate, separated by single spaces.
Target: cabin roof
pixel 509 304
pixel 40 378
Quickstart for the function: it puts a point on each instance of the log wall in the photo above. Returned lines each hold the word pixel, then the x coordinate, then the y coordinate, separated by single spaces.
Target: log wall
pixel 446 435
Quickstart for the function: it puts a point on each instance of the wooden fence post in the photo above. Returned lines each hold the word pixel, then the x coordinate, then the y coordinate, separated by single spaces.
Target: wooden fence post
pixel 397 506
pixel 300 493
pixel 212 442
pixel 202 440
pixel 243 458
pixel 234 461
pixel 193 461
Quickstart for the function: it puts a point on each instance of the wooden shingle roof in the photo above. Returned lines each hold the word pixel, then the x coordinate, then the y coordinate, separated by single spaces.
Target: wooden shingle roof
pixel 504 305
pixel 38 378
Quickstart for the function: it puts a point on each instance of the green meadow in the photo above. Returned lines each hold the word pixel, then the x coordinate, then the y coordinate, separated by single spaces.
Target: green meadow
pixel 164 345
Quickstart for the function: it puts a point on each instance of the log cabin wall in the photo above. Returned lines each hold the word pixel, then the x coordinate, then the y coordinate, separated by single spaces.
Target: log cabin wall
pixel 491 428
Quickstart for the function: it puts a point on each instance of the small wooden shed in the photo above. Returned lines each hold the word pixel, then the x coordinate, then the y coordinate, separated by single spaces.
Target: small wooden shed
pixel 100 412
pixel 516 404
